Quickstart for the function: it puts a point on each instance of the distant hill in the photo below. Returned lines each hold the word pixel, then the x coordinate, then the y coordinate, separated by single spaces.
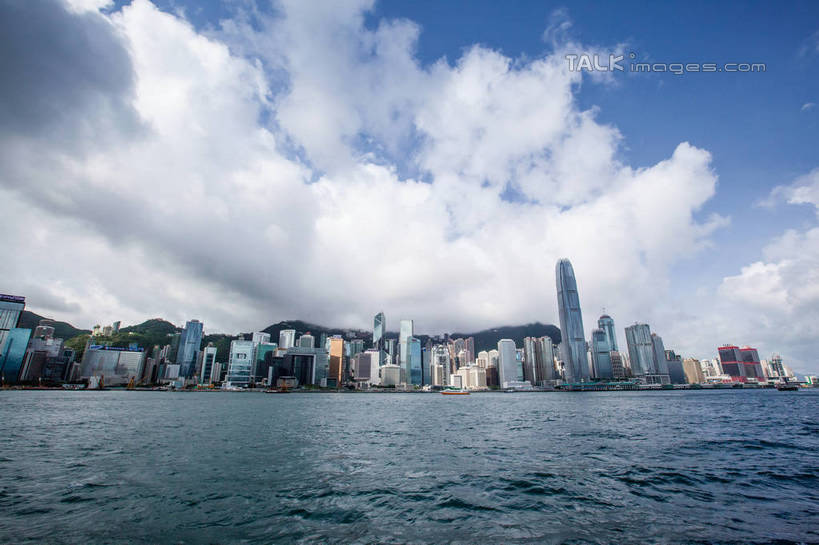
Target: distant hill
pixel 315 330
pixel 154 326
pixel 488 338
pixel 484 340
pixel 62 330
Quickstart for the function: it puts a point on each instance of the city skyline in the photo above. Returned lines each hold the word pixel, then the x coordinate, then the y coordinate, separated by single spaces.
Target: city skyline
pixel 199 159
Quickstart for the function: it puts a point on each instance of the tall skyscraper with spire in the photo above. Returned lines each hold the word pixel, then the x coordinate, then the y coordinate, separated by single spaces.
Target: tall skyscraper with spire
pixel 606 323
pixel 573 341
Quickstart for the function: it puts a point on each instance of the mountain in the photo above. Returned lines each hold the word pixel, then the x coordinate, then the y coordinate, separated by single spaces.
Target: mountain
pixel 153 327
pixel 315 330
pixel 488 338
pixel 484 340
pixel 62 330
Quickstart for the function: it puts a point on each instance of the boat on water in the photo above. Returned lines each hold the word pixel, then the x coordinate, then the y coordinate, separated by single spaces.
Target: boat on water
pixel 455 393
pixel 787 387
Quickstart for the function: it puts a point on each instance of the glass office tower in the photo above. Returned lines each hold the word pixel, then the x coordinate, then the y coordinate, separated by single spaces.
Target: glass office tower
pixel 379 336
pixel 189 343
pixel 606 323
pixel 11 307
pixel 573 341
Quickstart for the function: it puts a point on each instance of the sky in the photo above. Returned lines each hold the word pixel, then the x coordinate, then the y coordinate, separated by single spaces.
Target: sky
pixel 247 162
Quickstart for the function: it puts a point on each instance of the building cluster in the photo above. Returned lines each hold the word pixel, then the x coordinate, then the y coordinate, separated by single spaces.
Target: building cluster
pixel 404 362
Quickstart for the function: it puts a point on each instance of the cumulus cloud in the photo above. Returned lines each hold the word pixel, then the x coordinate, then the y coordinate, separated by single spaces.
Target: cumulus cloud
pixel 776 300
pixel 309 166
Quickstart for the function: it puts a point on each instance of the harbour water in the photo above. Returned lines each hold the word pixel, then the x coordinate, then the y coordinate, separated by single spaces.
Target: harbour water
pixel 613 467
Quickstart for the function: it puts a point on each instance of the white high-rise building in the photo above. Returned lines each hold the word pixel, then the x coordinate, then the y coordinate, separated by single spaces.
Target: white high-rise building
pixel 509 365
pixel 440 357
pixel 210 369
pixel 287 338
pixel 240 364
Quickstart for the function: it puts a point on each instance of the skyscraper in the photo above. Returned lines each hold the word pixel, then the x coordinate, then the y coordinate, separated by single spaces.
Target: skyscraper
pixel 509 365
pixel 439 365
pixel 335 375
pixel 640 349
pixel 606 323
pixel 11 307
pixel 240 363
pixel 415 371
pixel 287 338
pixel 189 343
pixel 12 354
pixel 601 354
pixel 404 335
pixel 210 368
pixel 379 337
pixel 307 341
pixel 573 340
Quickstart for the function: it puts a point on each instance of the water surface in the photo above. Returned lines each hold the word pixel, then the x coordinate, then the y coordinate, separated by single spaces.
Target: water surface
pixel 613 467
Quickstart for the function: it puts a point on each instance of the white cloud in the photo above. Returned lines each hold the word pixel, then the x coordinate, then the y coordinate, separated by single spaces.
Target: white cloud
pixel 776 301
pixel 265 178
pixel 807 106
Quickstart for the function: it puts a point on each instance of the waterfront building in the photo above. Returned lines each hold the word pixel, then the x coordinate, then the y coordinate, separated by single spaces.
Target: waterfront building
pixel 606 323
pixel 469 348
pixel 287 338
pixel 776 369
pixel 406 331
pixel 240 364
pixel 380 337
pixel 472 377
pixel 263 355
pixel 741 364
pixel 437 375
pixel 546 361
pixel 390 375
pixel 11 307
pixel 573 340
pixel 530 359
pixel 693 371
pixel 115 366
pixel 13 353
pixel 640 349
pixel 208 373
pixel 366 368
pixel 676 371
pixel 494 358
pixel 510 368
pixel 440 358
pixel 335 377
pixel 190 342
pixel 426 358
pixel 618 368
pixel 601 354
pixel 646 355
pixel 44 359
pixel 414 368
pixel 483 359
